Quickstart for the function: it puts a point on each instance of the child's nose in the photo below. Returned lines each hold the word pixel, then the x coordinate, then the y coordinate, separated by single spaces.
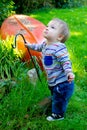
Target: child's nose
pixel 46 28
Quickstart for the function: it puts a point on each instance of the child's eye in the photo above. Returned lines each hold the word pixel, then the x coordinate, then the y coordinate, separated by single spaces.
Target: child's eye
pixel 52 27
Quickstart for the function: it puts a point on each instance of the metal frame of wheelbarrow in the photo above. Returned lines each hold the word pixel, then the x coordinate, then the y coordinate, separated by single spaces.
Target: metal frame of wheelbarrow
pixel 14 46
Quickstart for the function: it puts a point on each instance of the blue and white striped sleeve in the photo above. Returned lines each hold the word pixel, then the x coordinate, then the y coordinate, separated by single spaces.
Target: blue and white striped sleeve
pixel 63 58
pixel 36 47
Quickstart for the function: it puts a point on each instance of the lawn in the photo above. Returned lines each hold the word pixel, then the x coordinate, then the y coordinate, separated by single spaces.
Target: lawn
pixel 18 108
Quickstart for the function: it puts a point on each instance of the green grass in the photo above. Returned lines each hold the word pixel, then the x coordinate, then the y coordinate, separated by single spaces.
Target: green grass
pixel 18 108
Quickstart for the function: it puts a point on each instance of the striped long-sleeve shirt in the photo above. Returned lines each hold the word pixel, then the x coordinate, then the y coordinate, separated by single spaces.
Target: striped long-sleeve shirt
pixel 55 60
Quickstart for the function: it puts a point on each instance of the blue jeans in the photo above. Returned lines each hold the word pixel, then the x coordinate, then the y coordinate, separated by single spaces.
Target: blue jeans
pixel 61 93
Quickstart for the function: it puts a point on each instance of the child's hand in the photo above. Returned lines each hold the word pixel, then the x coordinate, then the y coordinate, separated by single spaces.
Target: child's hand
pixel 71 77
pixel 26 44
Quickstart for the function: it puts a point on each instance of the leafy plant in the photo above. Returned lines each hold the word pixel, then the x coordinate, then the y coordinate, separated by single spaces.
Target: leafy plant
pixel 10 67
pixel 6 9
pixel 7 59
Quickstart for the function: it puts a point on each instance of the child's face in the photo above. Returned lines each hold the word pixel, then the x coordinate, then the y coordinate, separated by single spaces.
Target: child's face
pixel 52 31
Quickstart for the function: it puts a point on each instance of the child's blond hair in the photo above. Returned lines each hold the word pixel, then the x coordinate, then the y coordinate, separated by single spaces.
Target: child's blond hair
pixel 64 30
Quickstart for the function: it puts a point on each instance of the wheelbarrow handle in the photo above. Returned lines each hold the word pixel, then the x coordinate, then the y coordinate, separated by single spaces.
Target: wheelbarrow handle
pixel 14 46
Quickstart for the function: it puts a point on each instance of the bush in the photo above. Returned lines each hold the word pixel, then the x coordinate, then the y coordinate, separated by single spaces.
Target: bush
pixel 26 6
pixel 6 9
pixel 10 67
pixel 69 3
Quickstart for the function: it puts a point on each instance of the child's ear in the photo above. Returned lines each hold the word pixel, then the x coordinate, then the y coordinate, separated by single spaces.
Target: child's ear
pixel 60 37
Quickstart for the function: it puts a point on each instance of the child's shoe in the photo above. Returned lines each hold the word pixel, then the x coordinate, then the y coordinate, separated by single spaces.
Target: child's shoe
pixel 54 117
